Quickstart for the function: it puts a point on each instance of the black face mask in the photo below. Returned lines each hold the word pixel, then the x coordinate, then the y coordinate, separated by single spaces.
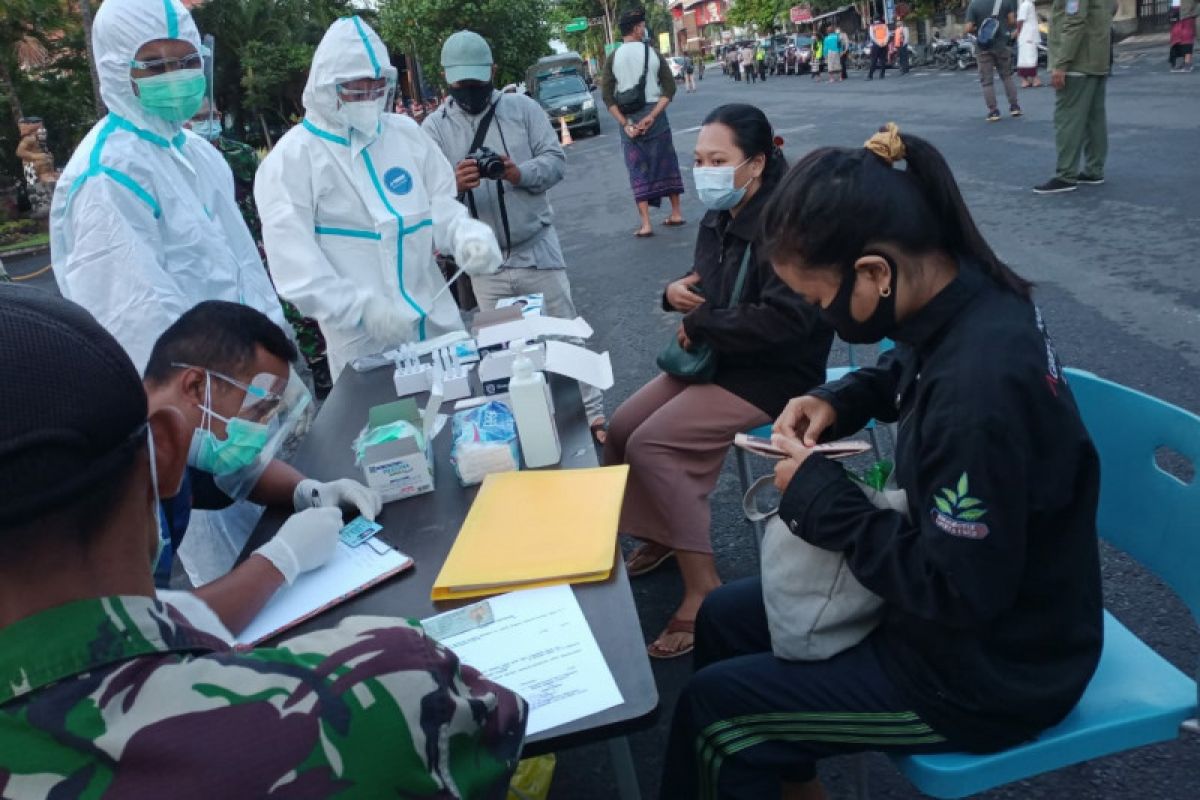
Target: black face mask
pixel 876 327
pixel 472 97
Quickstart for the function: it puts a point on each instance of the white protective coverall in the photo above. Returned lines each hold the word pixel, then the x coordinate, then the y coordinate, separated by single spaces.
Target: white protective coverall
pixel 144 224
pixel 350 220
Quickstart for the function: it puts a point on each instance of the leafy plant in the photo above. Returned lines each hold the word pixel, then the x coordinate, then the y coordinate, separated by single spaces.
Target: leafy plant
pixel 958 504
pixel 516 30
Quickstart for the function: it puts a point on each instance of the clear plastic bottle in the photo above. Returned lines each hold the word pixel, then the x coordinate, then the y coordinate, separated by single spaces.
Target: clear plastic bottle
pixel 529 398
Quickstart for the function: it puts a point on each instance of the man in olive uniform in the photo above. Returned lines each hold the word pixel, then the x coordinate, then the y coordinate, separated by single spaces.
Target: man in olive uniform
pixel 1079 61
pixel 243 163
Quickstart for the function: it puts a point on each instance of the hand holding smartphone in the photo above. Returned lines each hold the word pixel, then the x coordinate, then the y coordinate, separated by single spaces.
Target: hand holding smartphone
pixel 764 447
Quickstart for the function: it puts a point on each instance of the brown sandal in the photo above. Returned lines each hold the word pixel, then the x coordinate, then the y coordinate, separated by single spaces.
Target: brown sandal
pixel 675 625
pixel 644 551
pixel 599 430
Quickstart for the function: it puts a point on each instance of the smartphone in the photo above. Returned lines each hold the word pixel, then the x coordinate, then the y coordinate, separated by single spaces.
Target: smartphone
pixel 696 289
pixel 763 447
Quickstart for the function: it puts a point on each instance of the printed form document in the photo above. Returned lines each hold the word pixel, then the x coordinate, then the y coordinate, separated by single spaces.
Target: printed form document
pixel 538 644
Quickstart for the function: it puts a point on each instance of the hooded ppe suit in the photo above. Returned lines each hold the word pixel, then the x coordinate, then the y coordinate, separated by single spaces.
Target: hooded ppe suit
pixel 351 220
pixel 144 224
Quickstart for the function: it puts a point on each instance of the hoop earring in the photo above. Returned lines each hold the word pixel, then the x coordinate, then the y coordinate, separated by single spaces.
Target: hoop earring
pixel 885 291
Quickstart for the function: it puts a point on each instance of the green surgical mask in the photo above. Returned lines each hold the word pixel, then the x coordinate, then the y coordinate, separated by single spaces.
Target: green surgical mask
pixel 243 443
pixel 174 96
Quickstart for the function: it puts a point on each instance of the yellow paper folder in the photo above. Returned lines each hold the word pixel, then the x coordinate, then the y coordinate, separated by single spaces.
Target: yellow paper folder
pixel 537 528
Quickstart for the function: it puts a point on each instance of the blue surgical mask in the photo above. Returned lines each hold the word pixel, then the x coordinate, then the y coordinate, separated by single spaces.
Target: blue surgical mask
pixel 208 128
pixel 715 187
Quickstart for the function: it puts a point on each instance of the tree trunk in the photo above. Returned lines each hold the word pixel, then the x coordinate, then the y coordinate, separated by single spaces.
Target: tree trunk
pixel 14 102
pixel 266 131
pixel 85 11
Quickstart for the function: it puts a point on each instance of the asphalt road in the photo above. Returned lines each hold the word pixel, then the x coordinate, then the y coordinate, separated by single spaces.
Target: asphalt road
pixel 1117 284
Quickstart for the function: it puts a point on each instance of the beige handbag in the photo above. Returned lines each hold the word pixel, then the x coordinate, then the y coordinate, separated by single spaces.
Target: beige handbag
pixel 816 608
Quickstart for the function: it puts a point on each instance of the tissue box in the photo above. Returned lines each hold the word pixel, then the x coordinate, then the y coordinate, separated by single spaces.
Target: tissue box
pixel 399 468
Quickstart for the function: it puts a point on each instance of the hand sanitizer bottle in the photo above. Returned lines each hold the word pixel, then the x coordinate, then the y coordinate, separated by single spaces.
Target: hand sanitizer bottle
pixel 529 397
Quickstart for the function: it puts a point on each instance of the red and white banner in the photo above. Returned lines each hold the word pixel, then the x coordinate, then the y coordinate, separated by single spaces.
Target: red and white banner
pixel 801 13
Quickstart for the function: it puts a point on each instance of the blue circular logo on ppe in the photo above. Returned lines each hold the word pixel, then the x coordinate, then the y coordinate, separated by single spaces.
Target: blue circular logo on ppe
pixel 398 181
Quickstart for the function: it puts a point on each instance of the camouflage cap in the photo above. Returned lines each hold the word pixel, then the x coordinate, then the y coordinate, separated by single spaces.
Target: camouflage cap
pixel 72 406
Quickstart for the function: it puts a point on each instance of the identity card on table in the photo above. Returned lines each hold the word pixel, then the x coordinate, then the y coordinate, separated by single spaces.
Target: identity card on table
pixel 538 644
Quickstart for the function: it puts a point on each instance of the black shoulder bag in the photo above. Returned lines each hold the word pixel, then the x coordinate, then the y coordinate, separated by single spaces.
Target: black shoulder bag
pixel 633 100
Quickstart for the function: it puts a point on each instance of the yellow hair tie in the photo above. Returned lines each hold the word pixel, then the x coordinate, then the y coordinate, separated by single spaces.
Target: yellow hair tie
pixel 887 144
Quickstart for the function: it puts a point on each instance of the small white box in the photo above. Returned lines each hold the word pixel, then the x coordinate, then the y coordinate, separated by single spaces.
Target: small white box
pixel 399 468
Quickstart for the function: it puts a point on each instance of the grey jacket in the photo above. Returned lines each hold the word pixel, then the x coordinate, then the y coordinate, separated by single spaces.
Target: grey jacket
pixel 521 130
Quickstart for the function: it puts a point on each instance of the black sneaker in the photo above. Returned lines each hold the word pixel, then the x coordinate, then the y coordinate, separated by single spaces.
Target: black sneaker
pixel 1090 180
pixel 1055 186
pixel 1016 111
pixel 993 115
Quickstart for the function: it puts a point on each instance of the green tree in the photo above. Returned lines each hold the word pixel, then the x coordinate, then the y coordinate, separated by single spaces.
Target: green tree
pixel 766 14
pixel 517 31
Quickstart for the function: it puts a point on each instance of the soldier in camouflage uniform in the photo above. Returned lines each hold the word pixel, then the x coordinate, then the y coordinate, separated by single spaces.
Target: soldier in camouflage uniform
pixel 106 691
pixel 243 162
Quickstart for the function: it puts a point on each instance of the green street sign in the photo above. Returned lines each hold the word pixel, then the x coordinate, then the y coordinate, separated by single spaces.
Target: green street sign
pixel 577 25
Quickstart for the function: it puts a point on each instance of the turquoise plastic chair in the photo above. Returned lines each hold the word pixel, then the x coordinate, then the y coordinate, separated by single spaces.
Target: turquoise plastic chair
pixel 1136 697
pixel 746 478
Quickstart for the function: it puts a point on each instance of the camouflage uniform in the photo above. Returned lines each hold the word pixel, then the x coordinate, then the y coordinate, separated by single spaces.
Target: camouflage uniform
pixel 243 162
pixel 123 697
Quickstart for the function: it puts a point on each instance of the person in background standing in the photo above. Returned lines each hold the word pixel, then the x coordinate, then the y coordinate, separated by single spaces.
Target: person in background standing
pixel 818 54
pixel 900 42
pixel 733 64
pixel 879 45
pixel 1079 62
pixel 995 56
pixel 760 62
pixel 1028 39
pixel 1183 33
pixel 844 49
pixel 646 137
pixel 748 63
pixel 689 73
pixel 208 124
pixel 516 206
pixel 833 55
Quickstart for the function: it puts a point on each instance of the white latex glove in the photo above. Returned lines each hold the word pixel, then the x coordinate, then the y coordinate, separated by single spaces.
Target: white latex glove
pixel 480 255
pixel 384 322
pixel 344 493
pixel 306 541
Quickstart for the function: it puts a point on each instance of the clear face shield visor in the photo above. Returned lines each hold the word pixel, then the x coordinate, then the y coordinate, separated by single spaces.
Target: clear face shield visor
pixel 270 412
pixel 362 90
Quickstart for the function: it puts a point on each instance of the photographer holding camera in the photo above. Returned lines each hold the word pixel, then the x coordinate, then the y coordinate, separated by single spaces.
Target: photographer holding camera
pixel 507 157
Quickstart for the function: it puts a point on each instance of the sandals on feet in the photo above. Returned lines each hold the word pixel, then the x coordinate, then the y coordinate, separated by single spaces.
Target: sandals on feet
pixel 599 429
pixel 674 626
pixel 674 223
pixel 650 557
pixel 643 234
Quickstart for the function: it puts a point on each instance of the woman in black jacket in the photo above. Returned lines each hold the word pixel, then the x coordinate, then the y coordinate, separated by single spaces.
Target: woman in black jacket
pixel 770 346
pixel 992 621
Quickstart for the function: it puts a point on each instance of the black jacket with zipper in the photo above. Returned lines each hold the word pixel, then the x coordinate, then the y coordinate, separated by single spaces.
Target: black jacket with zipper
pixel 772 346
pixel 993 616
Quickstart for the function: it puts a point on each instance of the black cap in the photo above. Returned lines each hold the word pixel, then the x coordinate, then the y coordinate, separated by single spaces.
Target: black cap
pixel 72 406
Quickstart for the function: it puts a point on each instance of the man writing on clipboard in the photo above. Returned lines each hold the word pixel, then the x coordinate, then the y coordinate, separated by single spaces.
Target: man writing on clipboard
pixel 106 690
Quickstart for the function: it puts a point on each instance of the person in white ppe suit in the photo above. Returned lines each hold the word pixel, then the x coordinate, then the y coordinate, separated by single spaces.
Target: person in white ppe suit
pixel 143 224
pixel 354 201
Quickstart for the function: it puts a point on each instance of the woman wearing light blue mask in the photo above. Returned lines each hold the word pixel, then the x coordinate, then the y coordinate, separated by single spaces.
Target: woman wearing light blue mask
pixel 767 343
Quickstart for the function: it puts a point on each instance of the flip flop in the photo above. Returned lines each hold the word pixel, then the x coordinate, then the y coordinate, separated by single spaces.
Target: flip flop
pixel 674 223
pixel 633 573
pixel 640 235
pixel 675 625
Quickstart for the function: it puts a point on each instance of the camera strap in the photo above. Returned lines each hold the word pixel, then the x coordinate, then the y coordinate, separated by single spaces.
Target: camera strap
pixel 476 143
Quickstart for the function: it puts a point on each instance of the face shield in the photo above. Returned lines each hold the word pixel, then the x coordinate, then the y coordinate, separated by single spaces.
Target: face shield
pixel 270 411
pixel 362 101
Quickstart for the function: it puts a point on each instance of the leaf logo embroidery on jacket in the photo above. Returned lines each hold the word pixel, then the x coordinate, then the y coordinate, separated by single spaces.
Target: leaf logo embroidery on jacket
pixel 957 513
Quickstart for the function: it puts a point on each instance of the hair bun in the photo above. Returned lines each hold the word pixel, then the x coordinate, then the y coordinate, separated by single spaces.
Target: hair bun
pixel 778 140
pixel 887 144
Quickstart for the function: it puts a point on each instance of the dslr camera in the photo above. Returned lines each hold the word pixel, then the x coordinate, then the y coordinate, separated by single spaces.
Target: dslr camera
pixel 491 165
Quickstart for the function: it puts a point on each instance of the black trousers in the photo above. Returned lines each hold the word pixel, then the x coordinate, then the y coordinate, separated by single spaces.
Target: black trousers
pixel 747 721
pixel 878 59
